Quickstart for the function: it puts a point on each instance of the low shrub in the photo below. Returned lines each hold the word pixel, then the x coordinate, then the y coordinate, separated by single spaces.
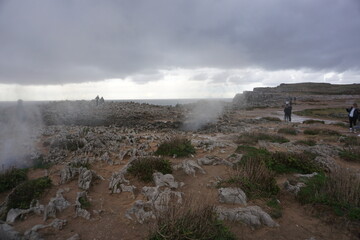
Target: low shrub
pixel 253 138
pixel 350 141
pixel 350 153
pixel 143 168
pixel 312 121
pixel 289 131
pixel 11 178
pixel 180 222
pixel 340 124
pixel 85 204
pixel 271 119
pixel 340 189
pixel 281 162
pixel 286 162
pixel 179 147
pixel 25 193
pixel 275 208
pixel 307 142
pixel 40 163
pixel 318 131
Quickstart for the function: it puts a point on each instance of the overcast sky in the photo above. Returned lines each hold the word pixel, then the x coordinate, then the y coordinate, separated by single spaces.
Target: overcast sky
pixel 52 50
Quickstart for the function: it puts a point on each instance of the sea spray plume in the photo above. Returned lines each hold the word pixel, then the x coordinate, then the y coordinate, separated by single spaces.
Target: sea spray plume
pixel 19 126
pixel 202 113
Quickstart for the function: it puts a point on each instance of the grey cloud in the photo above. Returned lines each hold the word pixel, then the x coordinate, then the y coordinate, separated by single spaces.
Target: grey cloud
pixel 55 42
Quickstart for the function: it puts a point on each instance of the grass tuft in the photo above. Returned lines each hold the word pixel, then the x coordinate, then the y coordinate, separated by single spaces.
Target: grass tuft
pixel 187 221
pixel 180 147
pixel 271 119
pixel 339 189
pixel 312 121
pixel 143 168
pixel 253 138
pixel 253 177
pixel 289 131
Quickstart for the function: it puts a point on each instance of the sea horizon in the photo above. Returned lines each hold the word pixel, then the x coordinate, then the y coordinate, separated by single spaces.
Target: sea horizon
pixel 161 102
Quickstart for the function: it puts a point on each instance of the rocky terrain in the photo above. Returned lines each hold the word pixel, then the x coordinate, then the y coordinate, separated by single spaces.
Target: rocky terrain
pixel 87 150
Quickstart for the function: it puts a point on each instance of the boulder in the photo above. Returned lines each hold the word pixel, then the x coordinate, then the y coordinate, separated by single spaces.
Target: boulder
pixel 253 216
pixel 232 195
pixel 166 180
pixel 141 210
pixel 190 167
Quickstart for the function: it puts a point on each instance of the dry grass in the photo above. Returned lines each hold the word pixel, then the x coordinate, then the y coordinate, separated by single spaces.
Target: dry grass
pixel 189 220
pixel 253 177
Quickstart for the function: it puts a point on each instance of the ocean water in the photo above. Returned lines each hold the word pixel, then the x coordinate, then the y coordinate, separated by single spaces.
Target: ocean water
pixel 161 102
pixel 173 102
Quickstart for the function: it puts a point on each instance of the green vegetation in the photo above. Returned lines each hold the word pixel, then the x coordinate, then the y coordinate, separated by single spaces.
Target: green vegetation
pixel 84 202
pixel 179 147
pixel 275 208
pixel 253 138
pixel 339 189
pixel 271 119
pixel 338 113
pixel 289 131
pixel 28 191
pixel 143 168
pixel 253 177
pixel 319 131
pixel 350 141
pixel 187 222
pixel 307 142
pixel 11 178
pixel 351 154
pixel 40 163
pixel 312 121
pixel 282 162
pixel 286 162
pixel 340 124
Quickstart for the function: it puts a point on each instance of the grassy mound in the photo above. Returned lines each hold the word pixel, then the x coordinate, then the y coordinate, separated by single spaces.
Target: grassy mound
pixel 143 168
pixel 179 147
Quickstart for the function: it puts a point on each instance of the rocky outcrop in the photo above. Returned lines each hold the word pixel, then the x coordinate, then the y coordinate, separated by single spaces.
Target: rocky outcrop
pixel 232 195
pixel 190 167
pixel 253 216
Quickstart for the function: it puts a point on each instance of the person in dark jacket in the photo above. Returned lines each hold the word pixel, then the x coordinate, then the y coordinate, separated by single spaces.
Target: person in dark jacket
pixel 353 116
pixel 287 111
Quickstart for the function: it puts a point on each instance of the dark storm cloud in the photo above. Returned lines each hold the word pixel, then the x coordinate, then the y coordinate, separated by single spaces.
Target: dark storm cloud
pixel 54 42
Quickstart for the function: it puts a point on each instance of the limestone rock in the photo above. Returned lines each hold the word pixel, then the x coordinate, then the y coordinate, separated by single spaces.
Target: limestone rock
pixel 189 167
pixel 85 178
pixel 166 180
pixel 74 237
pixel 79 211
pixel 294 188
pixel 58 203
pixel 232 195
pixel 8 232
pixel 213 160
pixel 117 183
pixel 253 216
pixel 141 210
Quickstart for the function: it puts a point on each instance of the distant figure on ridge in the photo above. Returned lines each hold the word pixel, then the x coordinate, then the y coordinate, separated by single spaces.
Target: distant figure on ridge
pixel 101 101
pixel 97 100
pixel 353 116
pixel 287 112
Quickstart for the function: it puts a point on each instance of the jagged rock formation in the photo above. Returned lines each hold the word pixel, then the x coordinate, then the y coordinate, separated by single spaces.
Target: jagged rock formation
pixel 276 96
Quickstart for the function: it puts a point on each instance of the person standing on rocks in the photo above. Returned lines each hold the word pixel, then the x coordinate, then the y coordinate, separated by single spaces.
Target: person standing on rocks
pixel 353 116
pixel 287 111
